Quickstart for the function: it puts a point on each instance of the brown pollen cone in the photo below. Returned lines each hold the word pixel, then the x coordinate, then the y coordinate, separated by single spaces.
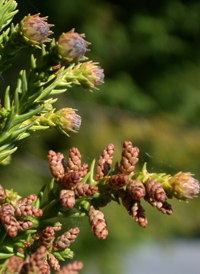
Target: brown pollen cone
pixel 98 223
pixel 133 207
pixel 48 237
pixel 129 158
pixel 138 213
pixel 24 225
pixel 165 207
pixel 155 190
pixel 65 240
pixel 83 170
pixel 67 198
pixel 104 162
pixel 69 180
pixel 28 210
pixel 37 261
pixel 118 181
pixel 8 220
pixel 85 189
pixel 13 264
pixel 57 164
pixel 2 194
pixel 74 160
pixel 137 189
pixel 53 261
pixel 71 268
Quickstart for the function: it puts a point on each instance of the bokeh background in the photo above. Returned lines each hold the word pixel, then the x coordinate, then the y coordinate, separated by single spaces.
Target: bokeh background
pixel 150 52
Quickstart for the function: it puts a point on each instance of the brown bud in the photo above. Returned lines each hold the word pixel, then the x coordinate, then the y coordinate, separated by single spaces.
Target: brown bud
pixel 48 237
pixel 67 198
pixel 129 158
pixel 35 29
pixel 74 160
pixel 85 189
pixel 71 268
pixel 65 240
pixel 53 262
pixel 72 46
pixel 105 162
pixel 155 190
pixel 98 223
pixel 57 164
pixel 137 189
pixel 118 181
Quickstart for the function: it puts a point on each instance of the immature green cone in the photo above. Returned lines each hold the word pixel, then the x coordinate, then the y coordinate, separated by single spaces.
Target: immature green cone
pixel 92 75
pixel 72 46
pixel 64 120
pixel 183 186
pixel 68 120
pixel 35 29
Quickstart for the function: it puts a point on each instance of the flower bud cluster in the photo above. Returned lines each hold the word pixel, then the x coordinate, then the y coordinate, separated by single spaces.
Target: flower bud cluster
pixel 47 255
pixel 132 187
pixel 122 182
pixel 70 175
pixel 15 216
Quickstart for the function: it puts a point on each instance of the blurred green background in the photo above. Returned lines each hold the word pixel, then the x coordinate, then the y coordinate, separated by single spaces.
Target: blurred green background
pixel 150 52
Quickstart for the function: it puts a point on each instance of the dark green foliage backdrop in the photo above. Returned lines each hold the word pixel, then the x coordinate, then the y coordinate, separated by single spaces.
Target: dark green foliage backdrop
pixel 151 96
